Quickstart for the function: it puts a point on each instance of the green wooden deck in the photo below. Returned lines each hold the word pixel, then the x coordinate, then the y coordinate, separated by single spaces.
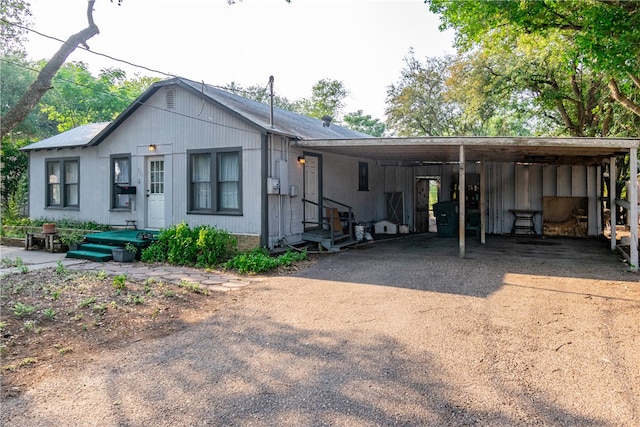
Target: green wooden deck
pixel 97 246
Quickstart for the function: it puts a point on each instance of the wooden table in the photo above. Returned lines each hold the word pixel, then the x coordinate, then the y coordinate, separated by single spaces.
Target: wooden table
pixel 46 240
pixel 523 219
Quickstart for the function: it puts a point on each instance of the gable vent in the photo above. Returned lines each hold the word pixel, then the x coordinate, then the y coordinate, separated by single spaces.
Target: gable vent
pixel 170 98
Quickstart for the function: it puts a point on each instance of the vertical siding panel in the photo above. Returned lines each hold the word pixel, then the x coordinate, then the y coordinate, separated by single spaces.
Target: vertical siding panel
pixel 564 181
pixel 508 196
pixel 535 186
pixel 579 181
pixel 522 186
pixel 494 199
pixel 593 227
pixel 550 181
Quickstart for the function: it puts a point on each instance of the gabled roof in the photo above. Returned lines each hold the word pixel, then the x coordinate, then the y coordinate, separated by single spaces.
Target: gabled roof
pixel 76 137
pixel 284 122
pixel 256 113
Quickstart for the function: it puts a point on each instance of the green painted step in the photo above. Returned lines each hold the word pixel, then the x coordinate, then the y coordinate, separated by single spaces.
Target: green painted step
pixel 90 255
pixel 95 247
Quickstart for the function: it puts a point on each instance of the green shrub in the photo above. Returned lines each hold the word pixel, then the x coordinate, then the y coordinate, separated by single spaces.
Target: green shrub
pixel 259 261
pixel 201 246
pixel 215 246
pixel 155 252
pixel 60 223
pixel 255 261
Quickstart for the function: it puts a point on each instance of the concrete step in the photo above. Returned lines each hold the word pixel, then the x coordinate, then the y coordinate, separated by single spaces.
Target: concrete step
pixel 337 246
pixel 96 247
pixel 89 255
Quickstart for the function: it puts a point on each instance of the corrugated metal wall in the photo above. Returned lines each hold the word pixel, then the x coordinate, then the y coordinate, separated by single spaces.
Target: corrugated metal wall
pixel 508 186
pixel 519 186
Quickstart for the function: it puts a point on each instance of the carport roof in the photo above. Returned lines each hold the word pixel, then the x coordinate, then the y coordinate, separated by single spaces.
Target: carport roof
pixel 424 150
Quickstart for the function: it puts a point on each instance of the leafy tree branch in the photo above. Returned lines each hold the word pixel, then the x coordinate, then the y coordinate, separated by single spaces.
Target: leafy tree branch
pixel 17 113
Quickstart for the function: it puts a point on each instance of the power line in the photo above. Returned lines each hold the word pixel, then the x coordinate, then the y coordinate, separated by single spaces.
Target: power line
pixel 131 102
pixel 235 90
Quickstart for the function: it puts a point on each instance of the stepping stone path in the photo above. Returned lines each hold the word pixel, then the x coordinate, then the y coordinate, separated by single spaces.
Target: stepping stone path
pixel 213 281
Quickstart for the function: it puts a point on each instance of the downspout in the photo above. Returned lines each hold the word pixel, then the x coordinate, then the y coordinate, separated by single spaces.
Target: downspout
pixel 279 195
pixel 264 201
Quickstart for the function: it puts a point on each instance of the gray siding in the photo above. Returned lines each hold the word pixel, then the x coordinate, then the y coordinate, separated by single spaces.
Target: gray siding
pixel 339 182
pixel 173 134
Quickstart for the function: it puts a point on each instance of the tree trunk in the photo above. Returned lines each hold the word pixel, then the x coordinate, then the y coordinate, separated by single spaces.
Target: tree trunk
pixel 619 96
pixel 42 84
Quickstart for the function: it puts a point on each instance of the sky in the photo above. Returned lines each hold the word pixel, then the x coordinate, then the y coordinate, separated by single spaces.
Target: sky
pixel 359 42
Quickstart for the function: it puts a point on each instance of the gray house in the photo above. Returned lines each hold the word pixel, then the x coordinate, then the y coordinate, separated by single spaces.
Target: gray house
pixel 185 151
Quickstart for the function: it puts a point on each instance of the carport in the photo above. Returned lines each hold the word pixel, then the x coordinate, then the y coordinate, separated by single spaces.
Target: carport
pixel 417 151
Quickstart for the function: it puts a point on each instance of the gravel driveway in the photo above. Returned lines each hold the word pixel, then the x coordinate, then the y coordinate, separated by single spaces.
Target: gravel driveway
pixel 521 332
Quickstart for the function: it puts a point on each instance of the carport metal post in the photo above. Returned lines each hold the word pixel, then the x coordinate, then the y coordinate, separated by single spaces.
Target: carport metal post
pixel 483 201
pixel 462 196
pixel 633 208
pixel 613 206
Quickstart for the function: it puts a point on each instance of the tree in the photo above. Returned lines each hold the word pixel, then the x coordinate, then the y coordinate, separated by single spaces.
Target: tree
pixel 488 108
pixel 416 104
pixel 364 123
pixel 12 36
pixel 14 170
pixel 599 34
pixel 327 99
pixel 77 98
pixel 261 94
pixel 18 112
pixel 15 75
pixel 571 98
pixel 80 98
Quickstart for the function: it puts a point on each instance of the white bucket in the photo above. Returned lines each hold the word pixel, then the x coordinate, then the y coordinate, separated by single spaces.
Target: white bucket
pixel 359 232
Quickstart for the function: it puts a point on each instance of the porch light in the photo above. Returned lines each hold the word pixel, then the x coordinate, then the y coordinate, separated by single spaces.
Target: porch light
pixel 152 147
pixel 302 160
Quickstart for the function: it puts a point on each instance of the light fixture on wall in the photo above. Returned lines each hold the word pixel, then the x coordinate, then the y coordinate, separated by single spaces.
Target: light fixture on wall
pixel 152 147
pixel 302 160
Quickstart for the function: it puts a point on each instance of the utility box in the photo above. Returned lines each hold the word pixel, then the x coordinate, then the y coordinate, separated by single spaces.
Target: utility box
pixel 386 227
pixel 125 189
pixel 273 185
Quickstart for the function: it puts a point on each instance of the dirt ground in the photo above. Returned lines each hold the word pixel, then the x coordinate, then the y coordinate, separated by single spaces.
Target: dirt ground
pixel 78 314
pixel 520 332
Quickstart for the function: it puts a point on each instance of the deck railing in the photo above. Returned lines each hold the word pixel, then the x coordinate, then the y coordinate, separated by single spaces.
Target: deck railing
pixel 326 222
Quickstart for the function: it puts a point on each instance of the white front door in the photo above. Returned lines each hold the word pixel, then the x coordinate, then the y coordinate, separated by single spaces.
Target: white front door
pixel 312 192
pixel 155 192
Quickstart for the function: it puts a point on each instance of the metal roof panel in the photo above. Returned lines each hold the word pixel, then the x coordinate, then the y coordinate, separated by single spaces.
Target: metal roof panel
pixel 284 122
pixel 77 137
